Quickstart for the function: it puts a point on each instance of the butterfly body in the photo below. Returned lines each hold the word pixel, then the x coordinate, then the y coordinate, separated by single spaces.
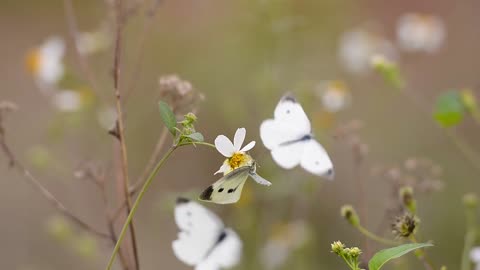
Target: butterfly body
pixel 229 188
pixel 289 138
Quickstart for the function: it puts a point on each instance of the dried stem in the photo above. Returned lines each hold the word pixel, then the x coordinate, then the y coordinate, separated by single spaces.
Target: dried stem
pixel 15 163
pixel 119 18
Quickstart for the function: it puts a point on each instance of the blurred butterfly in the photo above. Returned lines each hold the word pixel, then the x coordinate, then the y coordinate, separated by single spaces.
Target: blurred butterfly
pixel 203 240
pixel 289 138
pixel 229 188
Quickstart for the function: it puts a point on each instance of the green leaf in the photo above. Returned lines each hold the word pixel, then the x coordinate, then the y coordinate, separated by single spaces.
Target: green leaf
pixel 449 109
pixel 168 117
pixel 197 136
pixel 383 256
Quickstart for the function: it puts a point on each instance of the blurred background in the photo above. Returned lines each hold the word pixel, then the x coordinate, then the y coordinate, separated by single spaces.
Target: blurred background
pixel 242 56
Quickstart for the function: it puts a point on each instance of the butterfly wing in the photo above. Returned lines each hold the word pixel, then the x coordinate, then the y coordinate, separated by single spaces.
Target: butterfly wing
pixel 283 134
pixel 290 123
pixel 316 160
pixel 199 230
pixel 228 189
pixel 227 253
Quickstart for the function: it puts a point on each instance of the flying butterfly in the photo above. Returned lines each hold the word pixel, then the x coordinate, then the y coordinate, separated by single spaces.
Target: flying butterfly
pixel 203 240
pixel 289 138
pixel 229 188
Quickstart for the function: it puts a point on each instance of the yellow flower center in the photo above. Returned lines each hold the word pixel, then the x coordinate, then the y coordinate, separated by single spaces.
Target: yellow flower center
pixel 33 61
pixel 239 159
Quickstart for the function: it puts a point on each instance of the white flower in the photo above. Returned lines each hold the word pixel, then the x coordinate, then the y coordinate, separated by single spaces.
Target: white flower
pixel 46 62
pixel 418 32
pixel 333 95
pixel 359 45
pixel 235 154
pixel 67 100
pixel 475 257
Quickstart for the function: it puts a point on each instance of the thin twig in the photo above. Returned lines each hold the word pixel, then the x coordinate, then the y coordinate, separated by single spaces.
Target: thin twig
pixel 15 163
pixel 119 18
pixel 73 31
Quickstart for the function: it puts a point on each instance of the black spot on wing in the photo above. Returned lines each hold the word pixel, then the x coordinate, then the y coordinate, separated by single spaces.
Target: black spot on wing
pixel 222 236
pixel 221 189
pixel 181 200
pixel 288 97
pixel 232 190
pixel 330 172
pixel 207 194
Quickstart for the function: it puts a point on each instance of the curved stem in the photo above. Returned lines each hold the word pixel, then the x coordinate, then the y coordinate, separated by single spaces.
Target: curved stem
pixel 144 189
pixel 136 203
pixel 195 143
pixel 374 237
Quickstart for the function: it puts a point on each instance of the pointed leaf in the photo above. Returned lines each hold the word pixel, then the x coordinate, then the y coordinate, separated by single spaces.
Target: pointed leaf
pixel 168 117
pixel 383 256
pixel 197 137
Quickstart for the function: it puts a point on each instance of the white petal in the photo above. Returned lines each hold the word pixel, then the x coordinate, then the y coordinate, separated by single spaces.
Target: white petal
pixel 224 146
pixel 239 138
pixel 223 168
pixel 248 146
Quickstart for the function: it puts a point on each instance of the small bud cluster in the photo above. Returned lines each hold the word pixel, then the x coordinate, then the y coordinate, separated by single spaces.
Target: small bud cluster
pixel 349 213
pixel 179 93
pixel 350 255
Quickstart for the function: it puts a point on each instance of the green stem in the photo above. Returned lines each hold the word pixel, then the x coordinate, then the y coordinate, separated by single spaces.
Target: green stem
pixel 195 143
pixel 135 205
pixel 470 238
pixel 375 237
pixel 145 187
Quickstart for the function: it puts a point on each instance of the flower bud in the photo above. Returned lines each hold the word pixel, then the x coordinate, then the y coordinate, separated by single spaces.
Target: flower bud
pixel 348 212
pixel 338 247
pixel 406 196
pixel 405 225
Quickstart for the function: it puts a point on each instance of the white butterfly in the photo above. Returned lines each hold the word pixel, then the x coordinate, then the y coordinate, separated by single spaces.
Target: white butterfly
pixel 203 240
pixel 229 188
pixel 289 138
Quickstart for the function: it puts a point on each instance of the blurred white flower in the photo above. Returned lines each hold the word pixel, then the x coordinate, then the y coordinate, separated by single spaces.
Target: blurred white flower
pixel 106 117
pixel 45 62
pixel 93 42
pixel 419 32
pixel 359 45
pixel 235 154
pixel 284 239
pixel 475 257
pixel 334 95
pixel 67 100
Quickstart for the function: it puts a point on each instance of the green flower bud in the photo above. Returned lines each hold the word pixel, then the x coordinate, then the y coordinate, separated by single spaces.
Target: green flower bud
pixel 354 252
pixel 338 247
pixel 406 196
pixel 348 212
